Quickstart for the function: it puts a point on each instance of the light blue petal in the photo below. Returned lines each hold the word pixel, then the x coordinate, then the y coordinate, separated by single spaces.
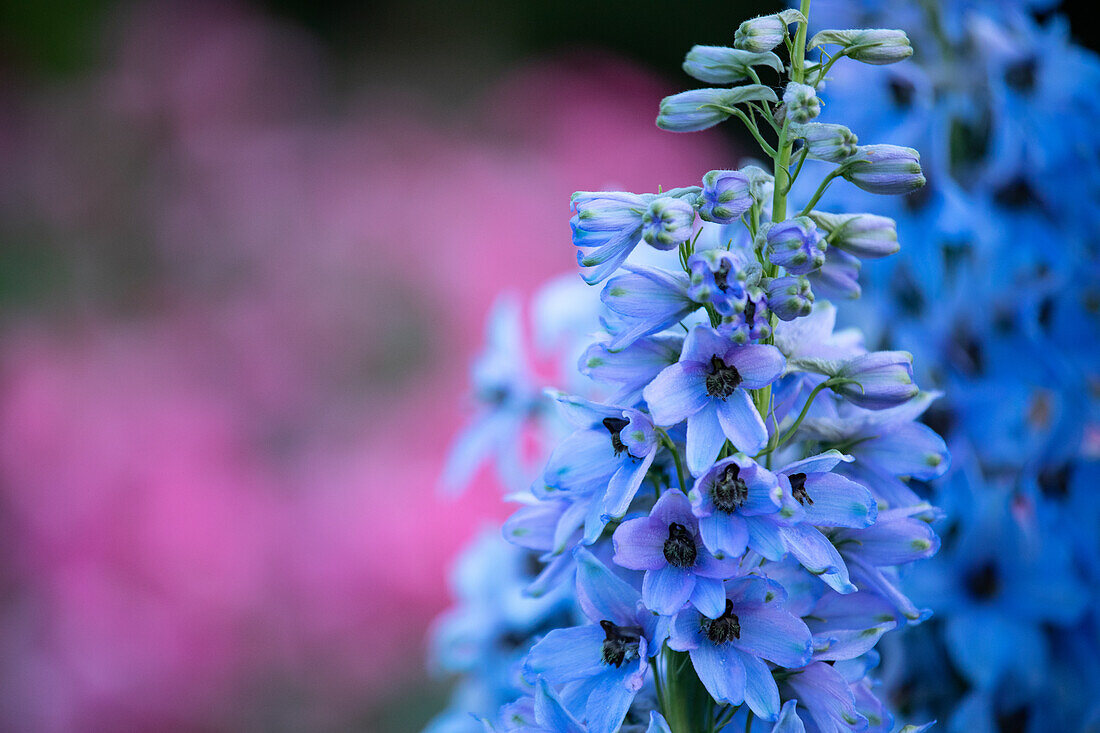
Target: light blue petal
pixel 602 594
pixel 551 713
pixel 666 590
pixel 761 692
pixel 789 722
pixel 704 439
pixel 721 671
pixel 709 596
pixel 564 655
pixel 764 537
pixel 677 392
pixel 741 422
pixel 725 535
pixel 607 705
pixel 818 555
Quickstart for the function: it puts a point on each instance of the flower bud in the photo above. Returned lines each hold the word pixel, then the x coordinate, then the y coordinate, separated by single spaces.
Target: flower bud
pixel 751 320
pixel 868 236
pixel 886 169
pixel 829 142
pixel 796 245
pixel 724 65
pixel 717 278
pixel 881 379
pixel 790 297
pixel 838 278
pixel 699 109
pixel 800 102
pixel 876 46
pixel 667 222
pixel 726 196
pixel 765 32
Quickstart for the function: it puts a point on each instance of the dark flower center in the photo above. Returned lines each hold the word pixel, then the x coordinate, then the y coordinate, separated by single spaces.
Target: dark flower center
pixel 730 490
pixel 726 627
pixel 983 582
pixel 901 92
pixel 1022 75
pixel 680 550
pixel 721 276
pixel 750 311
pixel 722 379
pixel 620 643
pixel 615 426
pixel 798 489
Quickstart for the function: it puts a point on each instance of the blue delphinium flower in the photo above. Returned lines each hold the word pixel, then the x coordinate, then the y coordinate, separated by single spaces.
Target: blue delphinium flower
pixel 708 388
pixel 677 565
pixel 728 649
pixel 715 370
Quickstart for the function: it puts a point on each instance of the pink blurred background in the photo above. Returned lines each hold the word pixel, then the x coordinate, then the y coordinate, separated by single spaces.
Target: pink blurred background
pixel 239 305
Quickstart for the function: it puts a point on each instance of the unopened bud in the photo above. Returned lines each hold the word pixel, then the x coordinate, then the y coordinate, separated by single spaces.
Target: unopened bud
pixel 868 236
pixel 886 169
pixel 832 143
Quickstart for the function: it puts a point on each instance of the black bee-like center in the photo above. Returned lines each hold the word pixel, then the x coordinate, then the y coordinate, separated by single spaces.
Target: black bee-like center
pixel 730 490
pixel 680 550
pixel 983 583
pixel 722 379
pixel 620 643
pixel 721 275
pixel 798 489
pixel 726 627
pixel 615 426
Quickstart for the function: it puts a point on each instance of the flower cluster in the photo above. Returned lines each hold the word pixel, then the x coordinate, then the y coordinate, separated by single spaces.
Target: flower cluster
pixel 726 509
pixel 997 293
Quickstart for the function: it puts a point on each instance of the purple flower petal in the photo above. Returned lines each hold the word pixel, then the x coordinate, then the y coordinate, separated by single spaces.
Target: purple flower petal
pixel 774 634
pixel 639 544
pixel 758 364
pixel 838 502
pixel 764 537
pixel 818 555
pixel 673 506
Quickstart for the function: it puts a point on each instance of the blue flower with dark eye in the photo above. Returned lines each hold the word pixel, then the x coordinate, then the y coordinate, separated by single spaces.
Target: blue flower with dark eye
pixel 736 501
pixel 607 458
pixel 728 649
pixel 708 387
pixel 605 661
pixel 677 565
pixel 718 278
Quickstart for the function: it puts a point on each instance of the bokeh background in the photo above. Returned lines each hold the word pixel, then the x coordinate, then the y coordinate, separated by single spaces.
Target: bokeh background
pixel 246 254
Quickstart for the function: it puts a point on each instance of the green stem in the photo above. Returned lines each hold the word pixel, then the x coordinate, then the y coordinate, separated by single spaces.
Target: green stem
pixel 841 170
pixel 797 169
pixel 801 416
pixel 675 457
pixel 748 722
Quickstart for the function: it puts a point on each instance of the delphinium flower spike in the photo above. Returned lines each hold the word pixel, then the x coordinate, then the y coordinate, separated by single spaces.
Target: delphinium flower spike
pixel 727 502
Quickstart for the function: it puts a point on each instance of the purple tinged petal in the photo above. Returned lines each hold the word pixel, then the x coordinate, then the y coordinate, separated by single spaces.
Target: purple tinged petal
pixel 571 520
pixel 827 698
pixel 649 299
pixel 721 671
pixel 676 393
pixel 758 364
pixel 725 535
pixel 761 692
pixel 774 634
pixel 894 540
pixel 709 596
pixel 703 342
pixel 818 555
pixel 667 589
pixel 602 594
pixel 569 654
pixel 673 506
pixel 741 422
pixel 912 450
pixel 708 566
pixel 705 436
pixel 533 526
pixel 639 544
